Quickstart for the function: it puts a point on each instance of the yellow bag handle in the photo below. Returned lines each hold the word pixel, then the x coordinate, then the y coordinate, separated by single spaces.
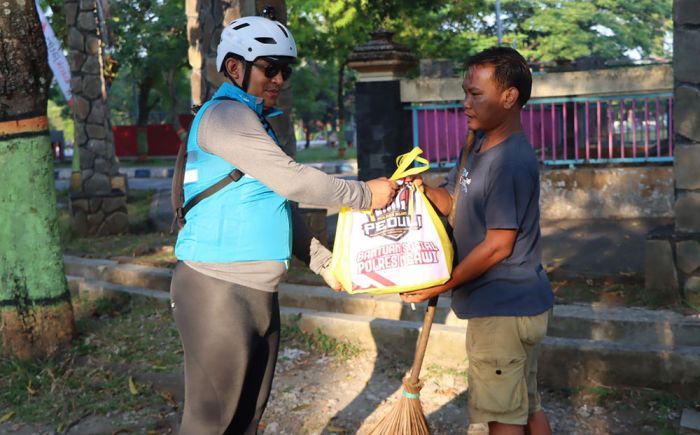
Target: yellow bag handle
pixel 405 160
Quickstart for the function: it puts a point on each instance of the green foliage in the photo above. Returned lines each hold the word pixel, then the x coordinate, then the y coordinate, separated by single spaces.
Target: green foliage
pixel 60 118
pixel 453 29
pixel 150 43
pixel 326 32
pixel 314 93
pixel 558 30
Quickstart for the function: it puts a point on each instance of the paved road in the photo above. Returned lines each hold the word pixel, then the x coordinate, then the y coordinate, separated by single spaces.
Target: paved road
pixel 134 183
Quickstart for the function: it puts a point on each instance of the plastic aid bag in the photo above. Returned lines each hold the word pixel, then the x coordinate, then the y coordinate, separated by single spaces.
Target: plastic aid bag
pixel 400 248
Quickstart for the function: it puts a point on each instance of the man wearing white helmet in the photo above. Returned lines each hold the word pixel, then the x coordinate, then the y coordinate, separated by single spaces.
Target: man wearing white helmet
pixel 239 232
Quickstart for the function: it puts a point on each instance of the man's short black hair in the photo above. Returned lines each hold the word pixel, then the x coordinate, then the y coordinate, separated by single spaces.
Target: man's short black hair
pixel 510 69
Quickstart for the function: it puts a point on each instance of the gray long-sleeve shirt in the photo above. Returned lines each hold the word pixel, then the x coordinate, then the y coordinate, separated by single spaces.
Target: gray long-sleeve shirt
pixel 232 131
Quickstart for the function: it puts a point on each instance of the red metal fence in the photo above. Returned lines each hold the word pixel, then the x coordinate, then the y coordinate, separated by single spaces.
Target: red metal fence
pixel 565 131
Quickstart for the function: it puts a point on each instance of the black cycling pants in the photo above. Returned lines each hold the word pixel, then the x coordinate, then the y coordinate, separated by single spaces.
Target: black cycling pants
pixel 230 335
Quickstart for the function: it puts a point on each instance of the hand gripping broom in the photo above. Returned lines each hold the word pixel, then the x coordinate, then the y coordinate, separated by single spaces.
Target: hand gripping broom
pixel 406 418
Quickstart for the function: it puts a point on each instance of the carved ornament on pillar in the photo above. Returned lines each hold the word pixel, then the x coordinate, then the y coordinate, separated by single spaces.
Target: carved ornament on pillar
pixel 381 58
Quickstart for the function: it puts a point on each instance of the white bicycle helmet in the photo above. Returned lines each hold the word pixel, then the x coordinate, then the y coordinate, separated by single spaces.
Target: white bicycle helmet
pixel 253 37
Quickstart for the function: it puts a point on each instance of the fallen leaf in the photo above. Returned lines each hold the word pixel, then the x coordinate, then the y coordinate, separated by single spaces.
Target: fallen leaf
pixel 300 407
pixel 7 416
pixel 30 389
pixel 168 398
pixel 132 387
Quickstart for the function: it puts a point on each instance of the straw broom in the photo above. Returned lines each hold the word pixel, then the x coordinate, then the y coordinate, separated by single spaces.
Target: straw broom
pixel 406 418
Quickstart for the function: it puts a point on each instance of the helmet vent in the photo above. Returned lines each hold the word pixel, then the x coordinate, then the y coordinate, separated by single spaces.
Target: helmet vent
pixel 283 31
pixel 240 26
pixel 266 40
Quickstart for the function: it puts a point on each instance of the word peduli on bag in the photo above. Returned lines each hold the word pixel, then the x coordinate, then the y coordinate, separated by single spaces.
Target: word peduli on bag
pixel 400 248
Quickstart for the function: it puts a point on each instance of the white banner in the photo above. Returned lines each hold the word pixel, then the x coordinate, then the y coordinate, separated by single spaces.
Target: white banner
pixel 57 61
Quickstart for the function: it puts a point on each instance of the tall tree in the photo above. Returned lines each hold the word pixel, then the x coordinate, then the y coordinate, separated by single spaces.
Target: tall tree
pixel 150 40
pixel 558 30
pixel 314 95
pixel 36 314
pixel 328 30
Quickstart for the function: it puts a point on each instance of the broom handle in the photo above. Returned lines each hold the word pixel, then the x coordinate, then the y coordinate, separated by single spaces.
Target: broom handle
pixel 423 340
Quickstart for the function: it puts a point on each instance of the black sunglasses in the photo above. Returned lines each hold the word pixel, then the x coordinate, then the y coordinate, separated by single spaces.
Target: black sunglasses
pixel 271 70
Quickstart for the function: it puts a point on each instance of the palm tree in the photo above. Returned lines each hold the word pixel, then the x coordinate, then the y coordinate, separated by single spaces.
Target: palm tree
pixel 36 316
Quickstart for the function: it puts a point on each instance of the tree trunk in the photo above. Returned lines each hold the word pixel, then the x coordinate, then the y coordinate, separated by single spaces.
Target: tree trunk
pixel 341 98
pixel 171 81
pixel 142 121
pixel 36 315
pixel 144 108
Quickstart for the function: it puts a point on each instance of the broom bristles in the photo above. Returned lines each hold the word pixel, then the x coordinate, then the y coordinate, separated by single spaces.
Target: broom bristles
pixel 406 417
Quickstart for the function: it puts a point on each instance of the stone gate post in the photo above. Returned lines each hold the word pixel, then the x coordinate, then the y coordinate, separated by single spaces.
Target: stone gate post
pixel 673 255
pixel 383 126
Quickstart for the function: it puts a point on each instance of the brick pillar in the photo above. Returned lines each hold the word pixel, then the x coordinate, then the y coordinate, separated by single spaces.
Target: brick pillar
pixel 383 126
pixel 673 257
pixel 99 207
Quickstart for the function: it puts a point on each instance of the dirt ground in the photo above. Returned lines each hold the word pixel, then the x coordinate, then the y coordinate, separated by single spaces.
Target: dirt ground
pixel 319 394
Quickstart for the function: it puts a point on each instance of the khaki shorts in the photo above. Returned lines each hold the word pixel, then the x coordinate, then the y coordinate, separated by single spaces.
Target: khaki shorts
pixel 502 374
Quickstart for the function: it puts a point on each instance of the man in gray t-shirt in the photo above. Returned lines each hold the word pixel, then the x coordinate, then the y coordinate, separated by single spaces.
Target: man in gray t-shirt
pixel 498 282
pixel 500 190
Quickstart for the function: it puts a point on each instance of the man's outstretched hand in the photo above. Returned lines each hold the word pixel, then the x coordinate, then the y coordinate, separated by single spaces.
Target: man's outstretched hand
pixel 421 295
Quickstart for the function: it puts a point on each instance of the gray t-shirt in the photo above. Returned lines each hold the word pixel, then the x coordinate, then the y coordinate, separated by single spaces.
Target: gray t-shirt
pixel 500 190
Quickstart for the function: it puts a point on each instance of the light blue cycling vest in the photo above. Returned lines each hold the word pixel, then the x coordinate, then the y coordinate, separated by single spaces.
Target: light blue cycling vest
pixel 244 221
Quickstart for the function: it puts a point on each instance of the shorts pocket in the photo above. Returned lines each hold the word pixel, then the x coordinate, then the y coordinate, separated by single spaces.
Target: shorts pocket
pixel 533 329
pixel 497 386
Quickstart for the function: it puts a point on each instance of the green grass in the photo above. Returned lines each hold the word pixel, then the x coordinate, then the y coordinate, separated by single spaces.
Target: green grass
pixel 118 340
pixel 141 243
pixel 115 338
pixel 322 154
pixel 139 331
pixel 293 335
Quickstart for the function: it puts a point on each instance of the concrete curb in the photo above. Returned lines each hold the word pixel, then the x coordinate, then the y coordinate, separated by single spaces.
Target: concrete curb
pixel 131 275
pixel 564 362
pixel 587 344
pixel 580 321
